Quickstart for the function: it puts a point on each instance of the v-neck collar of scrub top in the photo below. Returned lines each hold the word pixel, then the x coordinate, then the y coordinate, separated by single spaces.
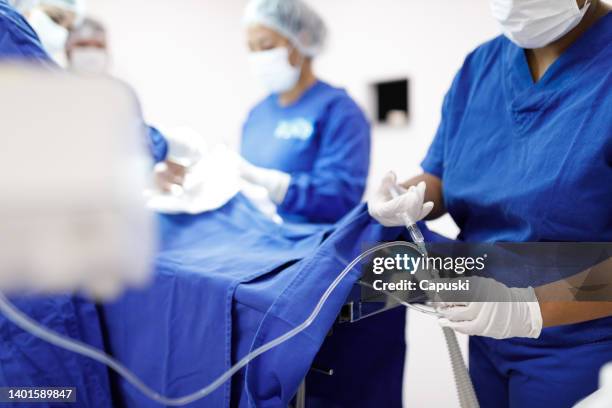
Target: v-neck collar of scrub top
pixel 565 68
pixel 303 96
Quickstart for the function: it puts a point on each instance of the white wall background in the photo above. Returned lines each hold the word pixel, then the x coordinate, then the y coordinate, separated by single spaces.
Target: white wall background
pixel 187 61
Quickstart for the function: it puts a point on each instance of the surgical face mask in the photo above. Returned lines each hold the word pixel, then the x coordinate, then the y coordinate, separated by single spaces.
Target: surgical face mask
pixel 273 69
pixel 52 35
pixel 89 60
pixel 537 23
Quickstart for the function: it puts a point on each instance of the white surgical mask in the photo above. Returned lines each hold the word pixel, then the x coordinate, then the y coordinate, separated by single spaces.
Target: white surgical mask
pixel 52 35
pixel 537 23
pixel 273 69
pixel 89 60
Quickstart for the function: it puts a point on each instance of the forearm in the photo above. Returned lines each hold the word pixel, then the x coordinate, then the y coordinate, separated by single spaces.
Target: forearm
pixel 577 298
pixel 433 193
pixel 560 313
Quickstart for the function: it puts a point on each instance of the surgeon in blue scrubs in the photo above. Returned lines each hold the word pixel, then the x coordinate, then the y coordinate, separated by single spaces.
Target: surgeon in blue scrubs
pixel 523 153
pixel 307 143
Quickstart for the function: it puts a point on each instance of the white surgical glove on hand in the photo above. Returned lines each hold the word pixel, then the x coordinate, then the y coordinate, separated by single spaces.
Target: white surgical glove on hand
pixel 391 212
pixel 514 313
pixel 275 181
pixel 186 147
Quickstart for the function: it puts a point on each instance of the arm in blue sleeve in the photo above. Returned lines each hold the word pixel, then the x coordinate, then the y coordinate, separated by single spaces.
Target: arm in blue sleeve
pixel 157 145
pixel 18 41
pixel 338 179
pixel 454 100
pixel 434 161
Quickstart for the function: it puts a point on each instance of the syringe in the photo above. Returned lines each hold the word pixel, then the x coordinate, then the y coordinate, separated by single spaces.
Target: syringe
pixel 413 229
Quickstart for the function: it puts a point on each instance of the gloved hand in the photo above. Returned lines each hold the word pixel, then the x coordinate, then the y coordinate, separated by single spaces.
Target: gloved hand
pixel 275 181
pixel 515 312
pixel 169 177
pixel 391 212
pixel 185 146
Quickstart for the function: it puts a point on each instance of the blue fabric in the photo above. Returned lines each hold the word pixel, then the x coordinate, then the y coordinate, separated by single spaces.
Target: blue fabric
pixel 26 361
pixel 222 285
pixel 158 146
pixel 18 41
pixel 323 141
pixel 202 260
pixel 274 377
pixel 558 371
pixel 523 161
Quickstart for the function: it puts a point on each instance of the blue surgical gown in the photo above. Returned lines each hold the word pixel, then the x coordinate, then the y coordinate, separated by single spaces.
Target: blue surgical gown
pixel 322 140
pixel 524 161
pixel 18 41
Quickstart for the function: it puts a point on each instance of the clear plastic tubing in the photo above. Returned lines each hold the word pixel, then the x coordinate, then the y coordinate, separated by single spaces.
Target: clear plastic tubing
pixel 33 327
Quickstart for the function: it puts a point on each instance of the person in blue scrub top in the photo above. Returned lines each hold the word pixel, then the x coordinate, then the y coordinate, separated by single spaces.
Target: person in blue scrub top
pixel 523 153
pixel 18 40
pixel 307 143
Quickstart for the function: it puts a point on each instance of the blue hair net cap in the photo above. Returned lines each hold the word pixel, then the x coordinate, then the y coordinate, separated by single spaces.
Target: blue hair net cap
pixel 293 19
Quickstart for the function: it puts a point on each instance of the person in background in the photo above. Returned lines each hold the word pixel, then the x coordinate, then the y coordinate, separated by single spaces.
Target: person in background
pixel 52 21
pixel 19 42
pixel 87 48
pixel 523 153
pixel 307 142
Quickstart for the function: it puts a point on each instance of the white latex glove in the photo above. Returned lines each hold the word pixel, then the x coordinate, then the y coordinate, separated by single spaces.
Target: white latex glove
pixel 391 212
pixel 205 186
pixel 186 147
pixel 514 313
pixel 274 181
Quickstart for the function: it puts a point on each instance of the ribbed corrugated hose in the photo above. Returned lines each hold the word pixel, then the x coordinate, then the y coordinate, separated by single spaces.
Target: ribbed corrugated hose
pixel 463 382
pixel 465 388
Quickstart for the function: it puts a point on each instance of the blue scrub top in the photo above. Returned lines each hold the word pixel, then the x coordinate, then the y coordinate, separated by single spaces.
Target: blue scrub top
pixel 18 41
pixel 322 140
pixel 524 161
